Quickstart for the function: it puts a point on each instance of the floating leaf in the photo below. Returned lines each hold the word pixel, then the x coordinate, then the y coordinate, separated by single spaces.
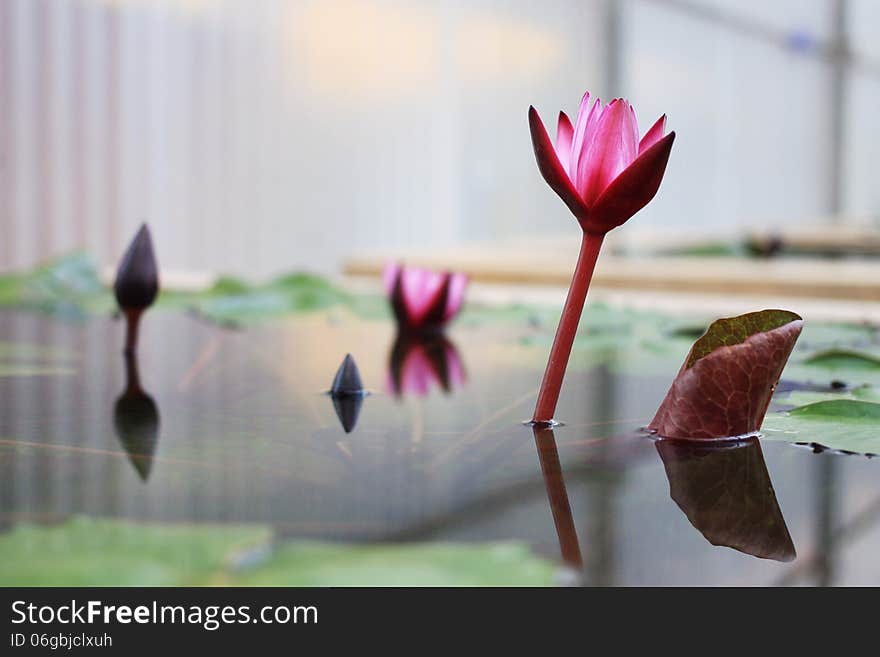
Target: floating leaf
pixel 437 564
pixel 725 385
pixel 90 552
pixel 837 359
pixel 68 286
pixel 848 425
pixel 93 552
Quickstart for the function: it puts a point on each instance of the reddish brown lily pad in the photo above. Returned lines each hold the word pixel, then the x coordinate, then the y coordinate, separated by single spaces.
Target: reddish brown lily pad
pixel 725 385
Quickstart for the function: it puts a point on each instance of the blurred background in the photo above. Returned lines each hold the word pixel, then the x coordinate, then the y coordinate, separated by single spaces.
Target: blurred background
pixel 267 136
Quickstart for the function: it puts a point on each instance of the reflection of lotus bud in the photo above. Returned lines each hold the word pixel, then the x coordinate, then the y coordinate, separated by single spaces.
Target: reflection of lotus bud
pixel 348 408
pixel 136 419
pixel 725 491
pixel 137 283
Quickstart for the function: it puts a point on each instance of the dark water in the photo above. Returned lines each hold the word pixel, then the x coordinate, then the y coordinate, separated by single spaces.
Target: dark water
pixel 211 425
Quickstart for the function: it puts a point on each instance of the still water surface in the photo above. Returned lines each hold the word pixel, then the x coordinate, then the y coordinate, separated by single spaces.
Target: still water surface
pixel 213 425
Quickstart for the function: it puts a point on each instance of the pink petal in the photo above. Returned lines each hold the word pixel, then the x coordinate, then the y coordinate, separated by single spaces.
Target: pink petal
pixel 564 133
pixel 634 127
pixel 609 152
pixel 584 131
pixel 420 289
pixel 551 168
pixel 654 134
pixel 580 125
pixel 455 297
pixel 631 190
pixel 389 276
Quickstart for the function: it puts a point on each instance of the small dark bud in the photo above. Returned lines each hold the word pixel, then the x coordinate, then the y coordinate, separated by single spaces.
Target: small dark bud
pixel 137 279
pixel 347 380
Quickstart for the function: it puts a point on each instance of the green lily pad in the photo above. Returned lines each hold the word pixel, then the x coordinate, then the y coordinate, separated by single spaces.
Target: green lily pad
pixel 443 564
pixel 97 552
pixel 849 359
pixel 69 286
pixel 90 552
pixel 850 425
pixel 804 397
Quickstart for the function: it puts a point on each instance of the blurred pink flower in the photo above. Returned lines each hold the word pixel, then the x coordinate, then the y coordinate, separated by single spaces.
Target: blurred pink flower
pixel 417 363
pixel 598 166
pixel 422 299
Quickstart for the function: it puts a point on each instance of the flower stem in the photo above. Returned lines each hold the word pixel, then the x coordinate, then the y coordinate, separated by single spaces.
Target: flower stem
pixel 568 323
pixel 132 323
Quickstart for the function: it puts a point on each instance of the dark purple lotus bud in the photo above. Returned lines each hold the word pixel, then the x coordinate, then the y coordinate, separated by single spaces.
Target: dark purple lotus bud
pixel 137 279
pixel 347 380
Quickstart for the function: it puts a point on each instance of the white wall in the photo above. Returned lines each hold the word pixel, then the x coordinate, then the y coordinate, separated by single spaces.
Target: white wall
pixel 269 135
pixel 277 134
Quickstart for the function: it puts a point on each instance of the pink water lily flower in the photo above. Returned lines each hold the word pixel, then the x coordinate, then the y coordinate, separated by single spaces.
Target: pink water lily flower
pixel 599 167
pixel 422 299
pixel 605 174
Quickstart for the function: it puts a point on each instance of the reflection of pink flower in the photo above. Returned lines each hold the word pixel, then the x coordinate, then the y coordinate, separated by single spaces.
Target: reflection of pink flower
pixel 417 363
pixel 598 166
pixel 423 299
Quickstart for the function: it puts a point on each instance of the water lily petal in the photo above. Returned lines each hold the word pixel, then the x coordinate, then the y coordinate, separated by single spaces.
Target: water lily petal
pixel 655 133
pixel 631 190
pixel 564 133
pixel 634 128
pixel 551 168
pixel 584 132
pixel 421 291
pixel 389 276
pixel 610 151
pixel 455 297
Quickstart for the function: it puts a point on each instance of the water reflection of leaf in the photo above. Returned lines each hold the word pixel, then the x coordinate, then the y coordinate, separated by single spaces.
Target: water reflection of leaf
pixel 725 491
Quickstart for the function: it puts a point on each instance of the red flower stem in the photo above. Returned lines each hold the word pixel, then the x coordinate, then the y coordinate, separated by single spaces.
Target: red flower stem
pixel 132 323
pixel 548 396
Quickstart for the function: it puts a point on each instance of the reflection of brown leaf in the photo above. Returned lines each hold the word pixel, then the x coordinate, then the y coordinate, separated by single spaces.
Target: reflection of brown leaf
pixel 725 385
pixel 725 491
